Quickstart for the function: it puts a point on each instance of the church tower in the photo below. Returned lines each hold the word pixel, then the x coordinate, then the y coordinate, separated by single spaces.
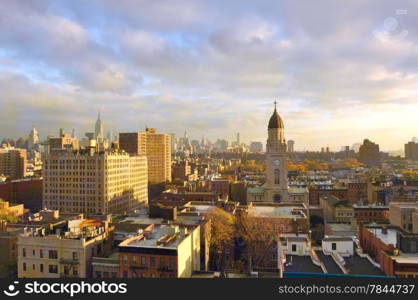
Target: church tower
pixel 276 161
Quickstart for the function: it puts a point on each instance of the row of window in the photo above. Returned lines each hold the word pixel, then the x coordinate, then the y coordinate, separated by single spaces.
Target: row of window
pixel 143 261
pixel 52 254
pixel 52 269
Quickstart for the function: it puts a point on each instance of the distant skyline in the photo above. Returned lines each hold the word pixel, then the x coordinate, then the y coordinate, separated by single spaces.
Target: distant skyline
pixel 340 72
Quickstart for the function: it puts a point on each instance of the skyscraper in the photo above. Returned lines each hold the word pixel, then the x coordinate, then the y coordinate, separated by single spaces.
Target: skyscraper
pixel 155 146
pixel 98 129
pixel 290 146
pixel 33 140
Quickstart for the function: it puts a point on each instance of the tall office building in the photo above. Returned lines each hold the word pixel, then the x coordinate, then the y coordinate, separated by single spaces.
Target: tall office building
pixel 33 140
pixel 290 146
pixel 411 150
pixel 155 146
pixel 98 130
pixel 369 153
pixel 92 182
pixel 13 162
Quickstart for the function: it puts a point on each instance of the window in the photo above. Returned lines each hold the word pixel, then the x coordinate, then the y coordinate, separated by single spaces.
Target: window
pixel 114 275
pixel 41 268
pixel 152 261
pixel 41 253
pixel 125 274
pixel 66 270
pixel 162 262
pixel 276 176
pixel 75 256
pixel 172 263
pixel 334 246
pixel 75 272
pixel 105 274
pixel 293 247
pixel 143 261
pixel 24 252
pixel 53 269
pixel 53 254
pixel 33 267
pixel 33 252
pixel 98 274
pixel 24 266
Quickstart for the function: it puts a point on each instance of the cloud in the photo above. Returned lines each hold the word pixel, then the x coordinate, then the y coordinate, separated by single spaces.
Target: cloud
pixel 340 74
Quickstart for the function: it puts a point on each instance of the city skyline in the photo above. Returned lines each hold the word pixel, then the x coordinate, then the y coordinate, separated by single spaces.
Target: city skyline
pixel 212 71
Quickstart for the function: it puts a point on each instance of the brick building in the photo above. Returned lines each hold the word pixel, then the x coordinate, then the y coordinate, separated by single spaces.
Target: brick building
pixel 161 251
pixel 394 249
pixel 23 191
pixel 371 213
pixel 316 192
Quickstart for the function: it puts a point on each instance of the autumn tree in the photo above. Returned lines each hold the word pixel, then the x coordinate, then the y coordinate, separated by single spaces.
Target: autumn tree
pixel 258 239
pixel 222 237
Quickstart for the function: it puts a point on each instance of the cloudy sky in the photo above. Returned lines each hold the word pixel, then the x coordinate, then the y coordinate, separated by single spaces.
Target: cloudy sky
pixel 340 73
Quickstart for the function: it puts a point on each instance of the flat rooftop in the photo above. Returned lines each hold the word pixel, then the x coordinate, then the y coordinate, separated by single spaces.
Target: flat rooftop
pixel 276 211
pixel 388 238
pixel 161 236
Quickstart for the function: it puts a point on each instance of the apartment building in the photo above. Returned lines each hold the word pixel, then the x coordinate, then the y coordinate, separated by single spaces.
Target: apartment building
pixel 404 215
pixel 161 251
pixel 155 146
pixel 13 162
pixel 92 182
pixel 63 250
pixel 336 210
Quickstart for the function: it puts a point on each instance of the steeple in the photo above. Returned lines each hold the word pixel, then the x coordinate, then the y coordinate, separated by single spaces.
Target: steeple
pixel 275 119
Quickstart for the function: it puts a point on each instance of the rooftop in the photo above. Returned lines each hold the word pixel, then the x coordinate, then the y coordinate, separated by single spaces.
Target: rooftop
pixel 361 266
pixel 388 238
pixel 276 211
pixel 295 263
pixel 160 236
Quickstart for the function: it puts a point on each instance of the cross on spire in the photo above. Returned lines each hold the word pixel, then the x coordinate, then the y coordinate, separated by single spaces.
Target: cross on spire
pixel 275 102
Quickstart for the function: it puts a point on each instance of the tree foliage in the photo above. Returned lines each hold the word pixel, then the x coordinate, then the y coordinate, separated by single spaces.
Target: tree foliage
pixel 259 239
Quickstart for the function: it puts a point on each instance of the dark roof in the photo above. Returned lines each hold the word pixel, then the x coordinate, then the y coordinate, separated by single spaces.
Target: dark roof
pixel 275 121
pixel 301 264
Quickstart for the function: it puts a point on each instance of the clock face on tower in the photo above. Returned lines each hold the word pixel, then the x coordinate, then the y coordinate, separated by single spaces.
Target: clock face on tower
pixel 276 162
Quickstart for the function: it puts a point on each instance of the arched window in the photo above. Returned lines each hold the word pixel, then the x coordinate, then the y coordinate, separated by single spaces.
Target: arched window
pixel 276 176
pixel 277 198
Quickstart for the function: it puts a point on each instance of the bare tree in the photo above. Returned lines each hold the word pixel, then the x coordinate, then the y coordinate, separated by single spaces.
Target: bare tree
pixel 259 241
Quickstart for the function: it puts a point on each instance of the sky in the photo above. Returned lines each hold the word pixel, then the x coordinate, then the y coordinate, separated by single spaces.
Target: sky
pixel 340 71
